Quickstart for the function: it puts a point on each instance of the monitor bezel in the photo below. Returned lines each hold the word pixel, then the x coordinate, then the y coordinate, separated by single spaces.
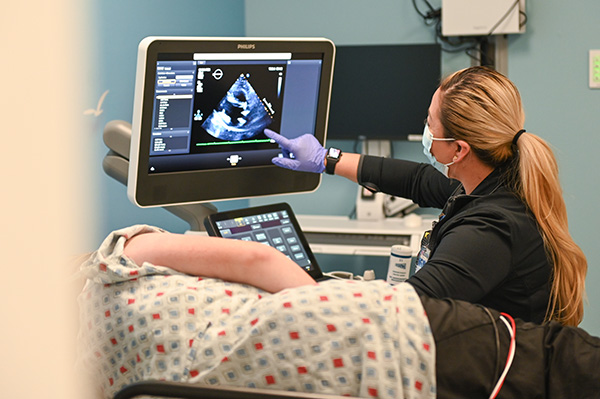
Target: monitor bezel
pixel 175 188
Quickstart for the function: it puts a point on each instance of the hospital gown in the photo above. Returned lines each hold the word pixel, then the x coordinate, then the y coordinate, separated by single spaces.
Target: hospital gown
pixel 147 322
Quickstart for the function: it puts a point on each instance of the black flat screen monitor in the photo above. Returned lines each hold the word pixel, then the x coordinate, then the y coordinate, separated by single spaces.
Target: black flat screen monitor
pixel 201 107
pixel 382 92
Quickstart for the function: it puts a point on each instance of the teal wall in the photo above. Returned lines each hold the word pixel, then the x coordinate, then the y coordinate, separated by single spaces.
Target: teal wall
pixel 548 63
pixel 550 66
pixel 120 25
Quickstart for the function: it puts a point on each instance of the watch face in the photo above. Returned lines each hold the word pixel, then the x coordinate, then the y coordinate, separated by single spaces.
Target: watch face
pixel 334 153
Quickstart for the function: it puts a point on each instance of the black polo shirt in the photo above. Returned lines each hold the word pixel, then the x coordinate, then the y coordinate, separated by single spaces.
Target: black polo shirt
pixel 486 247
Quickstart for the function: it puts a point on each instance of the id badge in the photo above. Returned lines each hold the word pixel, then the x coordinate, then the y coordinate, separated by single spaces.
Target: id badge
pixel 424 253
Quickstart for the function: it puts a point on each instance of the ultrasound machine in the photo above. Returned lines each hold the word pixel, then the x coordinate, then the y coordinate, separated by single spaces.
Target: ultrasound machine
pixel 201 106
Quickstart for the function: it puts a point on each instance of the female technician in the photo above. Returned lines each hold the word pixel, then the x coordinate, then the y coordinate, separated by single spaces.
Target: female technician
pixel 502 238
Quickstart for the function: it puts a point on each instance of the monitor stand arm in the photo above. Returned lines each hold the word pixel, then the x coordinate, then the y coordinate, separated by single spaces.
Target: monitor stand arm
pixel 117 137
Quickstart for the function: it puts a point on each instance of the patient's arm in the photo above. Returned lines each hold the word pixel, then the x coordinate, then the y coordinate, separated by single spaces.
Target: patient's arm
pixel 237 261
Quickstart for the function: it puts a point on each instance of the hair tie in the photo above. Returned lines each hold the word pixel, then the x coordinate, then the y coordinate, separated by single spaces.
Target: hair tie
pixel 519 133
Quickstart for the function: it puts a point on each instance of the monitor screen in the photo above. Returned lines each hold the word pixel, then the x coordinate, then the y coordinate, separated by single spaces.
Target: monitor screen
pixel 201 108
pixel 382 92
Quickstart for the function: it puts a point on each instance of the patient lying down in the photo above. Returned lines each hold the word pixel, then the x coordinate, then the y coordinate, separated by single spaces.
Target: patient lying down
pixel 213 311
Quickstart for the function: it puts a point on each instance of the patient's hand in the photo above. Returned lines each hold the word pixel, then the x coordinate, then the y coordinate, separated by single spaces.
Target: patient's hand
pixel 237 261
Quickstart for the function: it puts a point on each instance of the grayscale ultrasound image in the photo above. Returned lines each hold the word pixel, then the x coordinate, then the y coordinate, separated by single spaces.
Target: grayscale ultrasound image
pixel 240 115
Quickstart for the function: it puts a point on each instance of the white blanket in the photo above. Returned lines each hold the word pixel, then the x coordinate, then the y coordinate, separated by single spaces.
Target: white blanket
pixel 143 322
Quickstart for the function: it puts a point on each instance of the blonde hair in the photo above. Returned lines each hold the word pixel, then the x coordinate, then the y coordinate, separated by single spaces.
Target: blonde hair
pixel 483 108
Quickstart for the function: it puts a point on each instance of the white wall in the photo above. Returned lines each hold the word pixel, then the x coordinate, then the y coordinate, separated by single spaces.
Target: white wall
pixel 46 214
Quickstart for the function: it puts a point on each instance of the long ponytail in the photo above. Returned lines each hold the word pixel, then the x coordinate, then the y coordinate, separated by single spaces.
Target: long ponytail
pixel 540 189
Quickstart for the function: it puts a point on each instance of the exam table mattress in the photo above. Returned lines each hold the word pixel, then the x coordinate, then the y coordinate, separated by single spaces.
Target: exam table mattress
pixel 147 322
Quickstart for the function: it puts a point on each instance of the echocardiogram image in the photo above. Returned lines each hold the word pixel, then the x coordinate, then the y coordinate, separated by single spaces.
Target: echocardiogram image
pixel 240 115
pixel 233 104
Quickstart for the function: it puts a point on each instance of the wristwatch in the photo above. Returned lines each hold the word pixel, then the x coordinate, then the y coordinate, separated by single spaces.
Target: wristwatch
pixel 332 158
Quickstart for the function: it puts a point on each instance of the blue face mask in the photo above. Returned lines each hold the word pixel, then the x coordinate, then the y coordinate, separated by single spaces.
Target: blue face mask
pixel 427 142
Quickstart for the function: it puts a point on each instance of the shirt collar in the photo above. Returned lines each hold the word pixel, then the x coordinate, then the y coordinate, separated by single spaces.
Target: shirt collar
pixel 490 183
pixel 487 185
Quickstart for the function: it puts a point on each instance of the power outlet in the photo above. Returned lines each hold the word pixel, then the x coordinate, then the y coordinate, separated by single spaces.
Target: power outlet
pixel 594 69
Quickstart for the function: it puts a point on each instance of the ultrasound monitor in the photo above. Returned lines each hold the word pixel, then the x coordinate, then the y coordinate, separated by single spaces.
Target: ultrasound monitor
pixel 201 107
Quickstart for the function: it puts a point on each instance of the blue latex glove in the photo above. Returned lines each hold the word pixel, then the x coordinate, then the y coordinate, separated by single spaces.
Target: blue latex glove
pixel 303 153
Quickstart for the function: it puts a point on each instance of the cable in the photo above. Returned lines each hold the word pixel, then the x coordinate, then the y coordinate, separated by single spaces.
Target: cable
pixel 340 275
pixel 458 44
pixel 448 45
pixel 432 15
pixel 512 330
pixel 497 339
pixel 503 17
pixel 524 22
pixel 343 275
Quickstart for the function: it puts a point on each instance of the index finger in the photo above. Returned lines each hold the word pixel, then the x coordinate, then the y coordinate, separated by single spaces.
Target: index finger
pixel 278 138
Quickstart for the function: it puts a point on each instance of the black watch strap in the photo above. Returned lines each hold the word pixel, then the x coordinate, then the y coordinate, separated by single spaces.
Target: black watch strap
pixel 332 158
